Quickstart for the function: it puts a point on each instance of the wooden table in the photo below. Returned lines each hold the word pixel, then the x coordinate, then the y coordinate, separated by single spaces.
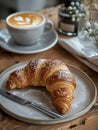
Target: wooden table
pixel 88 121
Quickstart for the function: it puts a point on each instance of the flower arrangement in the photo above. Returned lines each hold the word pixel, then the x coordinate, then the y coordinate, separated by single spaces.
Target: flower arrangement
pixel 91 31
pixel 77 11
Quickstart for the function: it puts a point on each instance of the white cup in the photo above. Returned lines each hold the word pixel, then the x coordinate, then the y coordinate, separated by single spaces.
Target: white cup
pixel 26 28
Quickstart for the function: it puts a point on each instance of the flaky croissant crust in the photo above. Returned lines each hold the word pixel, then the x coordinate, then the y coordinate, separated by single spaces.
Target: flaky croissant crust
pixel 53 74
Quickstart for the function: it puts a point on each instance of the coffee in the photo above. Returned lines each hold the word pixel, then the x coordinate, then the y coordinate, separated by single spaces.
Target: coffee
pixel 26 28
pixel 25 20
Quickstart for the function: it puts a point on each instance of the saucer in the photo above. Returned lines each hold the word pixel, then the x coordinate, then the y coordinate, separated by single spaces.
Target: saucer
pixel 47 41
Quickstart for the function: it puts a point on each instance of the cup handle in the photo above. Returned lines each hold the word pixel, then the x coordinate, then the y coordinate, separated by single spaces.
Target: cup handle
pixel 49 25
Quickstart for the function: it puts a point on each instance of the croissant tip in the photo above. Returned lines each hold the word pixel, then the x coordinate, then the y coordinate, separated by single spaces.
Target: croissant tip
pixel 10 85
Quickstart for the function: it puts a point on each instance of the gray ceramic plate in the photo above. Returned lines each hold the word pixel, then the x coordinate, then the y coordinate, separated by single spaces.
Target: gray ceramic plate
pixel 47 41
pixel 85 97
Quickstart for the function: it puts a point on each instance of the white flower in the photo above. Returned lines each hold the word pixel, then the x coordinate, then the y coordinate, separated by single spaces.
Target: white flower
pixel 70 12
pixel 70 8
pixel 90 30
pixel 73 18
pixel 77 3
pixel 82 6
pixel 72 3
pixel 77 11
pixel 74 8
pixel 96 25
pixel 88 24
pixel 80 15
pixel 85 32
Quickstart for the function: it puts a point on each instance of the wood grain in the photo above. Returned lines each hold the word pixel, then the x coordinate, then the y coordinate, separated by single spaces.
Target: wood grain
pixel 87 121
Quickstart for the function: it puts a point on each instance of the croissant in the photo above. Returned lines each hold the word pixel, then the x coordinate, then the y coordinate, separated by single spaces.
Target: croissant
pixel 52 74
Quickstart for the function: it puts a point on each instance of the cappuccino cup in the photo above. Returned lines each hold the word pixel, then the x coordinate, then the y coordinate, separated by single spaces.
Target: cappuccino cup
pixel 26 28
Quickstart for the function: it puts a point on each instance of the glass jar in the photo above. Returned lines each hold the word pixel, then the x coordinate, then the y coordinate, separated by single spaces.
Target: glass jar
pixel 66 24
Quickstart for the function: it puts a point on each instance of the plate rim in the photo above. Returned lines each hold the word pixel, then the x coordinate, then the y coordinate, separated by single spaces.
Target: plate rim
pixel 52 121
pixel 6 47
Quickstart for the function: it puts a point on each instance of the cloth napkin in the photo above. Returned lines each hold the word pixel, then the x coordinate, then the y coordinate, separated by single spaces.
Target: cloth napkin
pixel 86 50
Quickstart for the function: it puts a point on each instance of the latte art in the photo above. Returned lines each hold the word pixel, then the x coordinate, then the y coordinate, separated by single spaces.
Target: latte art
pixel 25 20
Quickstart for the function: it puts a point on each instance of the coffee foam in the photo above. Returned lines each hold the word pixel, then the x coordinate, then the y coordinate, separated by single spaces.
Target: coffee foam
pixel 25 20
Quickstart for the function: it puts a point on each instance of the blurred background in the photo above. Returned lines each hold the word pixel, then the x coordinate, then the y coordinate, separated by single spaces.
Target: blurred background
pixel 10 6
